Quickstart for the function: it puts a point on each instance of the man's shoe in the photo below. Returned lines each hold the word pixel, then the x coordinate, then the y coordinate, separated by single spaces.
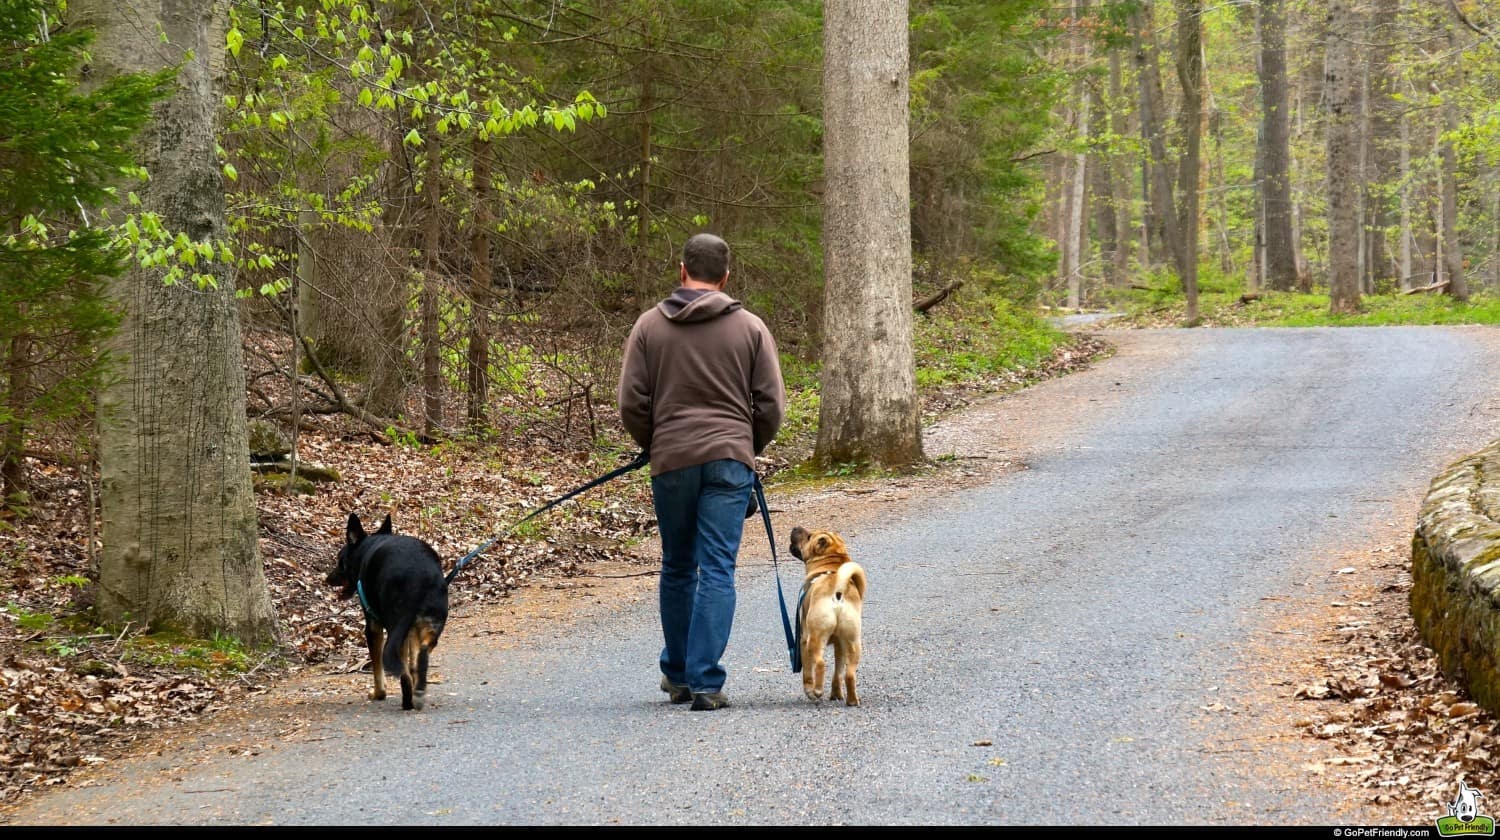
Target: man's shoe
pixel 707 702
pixel 676 693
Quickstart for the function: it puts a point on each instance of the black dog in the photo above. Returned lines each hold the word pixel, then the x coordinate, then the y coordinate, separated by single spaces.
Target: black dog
pixel 400 583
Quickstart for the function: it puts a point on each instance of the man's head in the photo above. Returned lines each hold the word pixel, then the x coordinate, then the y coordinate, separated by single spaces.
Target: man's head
pixel 705 259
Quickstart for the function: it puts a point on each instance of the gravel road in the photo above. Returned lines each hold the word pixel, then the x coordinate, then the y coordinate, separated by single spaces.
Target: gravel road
pixel 1056 630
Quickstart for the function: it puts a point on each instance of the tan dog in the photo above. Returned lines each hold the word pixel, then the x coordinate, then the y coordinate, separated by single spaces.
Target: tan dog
pixel 829 613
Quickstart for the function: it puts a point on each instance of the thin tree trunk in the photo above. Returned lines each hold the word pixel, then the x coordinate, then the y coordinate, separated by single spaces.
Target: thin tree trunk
pixel 1161 201
pixel 869 410
pixel 1077 242
pixel 1190 74
pixel 1453 249
pixel 1406 233
pixel 432 243
pixel 1383 110
pixel 1118 173
pixel 179 517
pixel 480 293
pixel 13 433
pixel 1341 92
pixel 645 296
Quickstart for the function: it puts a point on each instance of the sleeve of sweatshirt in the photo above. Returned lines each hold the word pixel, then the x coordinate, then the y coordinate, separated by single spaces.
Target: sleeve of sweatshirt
pixel 767 392
pixel 634 392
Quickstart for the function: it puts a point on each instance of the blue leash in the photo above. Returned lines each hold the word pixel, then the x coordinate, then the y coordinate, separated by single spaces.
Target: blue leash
pixel 793 641
pixel 641 460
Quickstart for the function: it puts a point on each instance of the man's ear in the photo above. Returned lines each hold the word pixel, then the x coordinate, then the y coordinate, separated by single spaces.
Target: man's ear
pixel 682 275
pixel 724 281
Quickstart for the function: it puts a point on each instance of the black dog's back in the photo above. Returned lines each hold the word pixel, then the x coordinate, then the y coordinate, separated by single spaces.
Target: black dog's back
pixel 405 587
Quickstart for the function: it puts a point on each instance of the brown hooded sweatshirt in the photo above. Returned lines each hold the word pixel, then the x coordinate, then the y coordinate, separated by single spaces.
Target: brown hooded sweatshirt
pixel 700 381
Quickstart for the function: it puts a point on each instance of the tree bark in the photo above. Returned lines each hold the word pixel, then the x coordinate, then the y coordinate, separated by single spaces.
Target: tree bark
pixel 1118 175
pixel 178 511
pixel 869 411
pixel 1384 138
pixel 1276 186
pixel 645 296
pixel 1190 74
pixel 13 432
pixel 1161 201
pixel 480 293
pixel 1453 249
pixel 432 243
pixel 1341 92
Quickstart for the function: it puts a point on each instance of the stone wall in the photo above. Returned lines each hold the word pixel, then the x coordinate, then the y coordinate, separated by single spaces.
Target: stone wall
pixel 1455 569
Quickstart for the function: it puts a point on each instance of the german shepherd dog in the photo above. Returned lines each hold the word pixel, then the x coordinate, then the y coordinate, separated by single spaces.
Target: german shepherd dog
pixel 401 586
pixel 829 613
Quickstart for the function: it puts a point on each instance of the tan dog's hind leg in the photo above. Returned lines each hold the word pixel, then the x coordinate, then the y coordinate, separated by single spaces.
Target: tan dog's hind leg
pixel 812 665
pixel 851 653
pixel 375 639
pixel 840 664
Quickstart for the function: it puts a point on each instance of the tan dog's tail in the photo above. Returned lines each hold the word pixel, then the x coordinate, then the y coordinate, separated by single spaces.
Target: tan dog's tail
pixel 849 574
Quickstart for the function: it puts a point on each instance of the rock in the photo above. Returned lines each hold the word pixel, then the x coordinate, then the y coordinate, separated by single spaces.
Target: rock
pixel 267 443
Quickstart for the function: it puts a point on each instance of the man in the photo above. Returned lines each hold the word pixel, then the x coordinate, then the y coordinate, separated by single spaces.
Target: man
pixel 701 389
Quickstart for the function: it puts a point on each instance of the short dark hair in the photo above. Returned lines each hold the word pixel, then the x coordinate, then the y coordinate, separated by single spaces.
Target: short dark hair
pixel 706 257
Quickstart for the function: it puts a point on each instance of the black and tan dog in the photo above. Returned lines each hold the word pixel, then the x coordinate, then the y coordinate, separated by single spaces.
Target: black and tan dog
pixel 829 612
pixel 400 583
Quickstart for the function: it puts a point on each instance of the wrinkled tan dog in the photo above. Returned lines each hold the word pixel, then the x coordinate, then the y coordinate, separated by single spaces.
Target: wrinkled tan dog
pixel 833 594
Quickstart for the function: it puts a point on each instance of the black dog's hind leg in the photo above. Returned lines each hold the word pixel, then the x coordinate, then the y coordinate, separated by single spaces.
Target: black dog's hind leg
pixel 396 661
pixel 374 638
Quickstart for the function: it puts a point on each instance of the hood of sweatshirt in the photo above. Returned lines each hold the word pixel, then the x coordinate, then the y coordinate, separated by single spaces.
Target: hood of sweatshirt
pixel 687 306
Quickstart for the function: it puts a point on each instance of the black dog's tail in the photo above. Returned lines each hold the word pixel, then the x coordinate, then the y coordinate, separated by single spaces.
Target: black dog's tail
pixel 395 643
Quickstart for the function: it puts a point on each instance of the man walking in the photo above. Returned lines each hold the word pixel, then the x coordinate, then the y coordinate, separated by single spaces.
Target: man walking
pixel 701 389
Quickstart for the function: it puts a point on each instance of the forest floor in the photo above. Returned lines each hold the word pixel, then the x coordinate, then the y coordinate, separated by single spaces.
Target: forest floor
pixel 1364 683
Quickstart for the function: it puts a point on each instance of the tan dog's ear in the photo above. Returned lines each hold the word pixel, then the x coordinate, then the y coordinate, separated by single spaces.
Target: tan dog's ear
pixel 821 544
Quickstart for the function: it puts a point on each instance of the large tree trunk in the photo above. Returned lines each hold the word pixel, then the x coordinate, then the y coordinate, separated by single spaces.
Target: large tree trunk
pixel 1275 150
pixel 1190 74
pixel 1077 232
pixel 179 517
pixel 869 412
pixel 1341 76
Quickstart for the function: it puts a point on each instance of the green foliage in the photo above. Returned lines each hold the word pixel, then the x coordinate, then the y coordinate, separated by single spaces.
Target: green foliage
pixel 62 153
pixel 978 337
pixel 35 622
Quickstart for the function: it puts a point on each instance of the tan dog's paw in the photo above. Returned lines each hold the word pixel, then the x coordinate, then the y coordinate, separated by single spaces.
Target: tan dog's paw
pixel 377 694
pixel 853 699
pixel 814 696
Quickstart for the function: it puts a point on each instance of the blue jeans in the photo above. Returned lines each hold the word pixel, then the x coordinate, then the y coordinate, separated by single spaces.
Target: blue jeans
pixel 701 513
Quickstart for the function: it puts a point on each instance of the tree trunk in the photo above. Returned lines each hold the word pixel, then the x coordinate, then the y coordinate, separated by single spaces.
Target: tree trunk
pixel 645 291
pixel 13 432
pixel 1190 74
pixel 1118 174
pixel 1077 230
pixel 1341 76
pixel 869 411
pixel 480 295
pixel 1384 163
pixel 1453 249
pixel 1406 232
pixel 178 511
pixel 1276 186
pixel 432 243
pixel 1162 204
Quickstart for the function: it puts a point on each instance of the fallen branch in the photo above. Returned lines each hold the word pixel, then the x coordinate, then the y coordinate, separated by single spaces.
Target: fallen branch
pixel 937 297
pixel 1441 284
pixel 378 424
pixel 1250 297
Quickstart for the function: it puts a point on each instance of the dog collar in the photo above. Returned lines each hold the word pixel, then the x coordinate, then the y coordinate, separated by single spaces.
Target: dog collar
pixel 364 603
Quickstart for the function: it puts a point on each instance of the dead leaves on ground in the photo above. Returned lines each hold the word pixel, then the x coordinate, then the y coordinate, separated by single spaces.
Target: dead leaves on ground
pixel 1408 733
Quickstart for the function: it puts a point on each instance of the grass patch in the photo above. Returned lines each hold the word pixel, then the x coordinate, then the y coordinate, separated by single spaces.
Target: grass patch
pixel 1219 305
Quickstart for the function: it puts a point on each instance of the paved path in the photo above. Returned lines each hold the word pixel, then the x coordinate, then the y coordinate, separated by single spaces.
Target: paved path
pixel 1040 648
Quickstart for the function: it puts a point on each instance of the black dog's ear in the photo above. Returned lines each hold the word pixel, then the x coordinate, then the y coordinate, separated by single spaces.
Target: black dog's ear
pixel 355 531
pixel 385 527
